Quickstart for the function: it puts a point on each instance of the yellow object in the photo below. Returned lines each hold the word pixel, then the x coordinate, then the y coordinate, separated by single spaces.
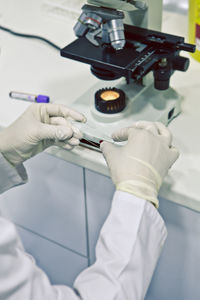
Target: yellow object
pixel 109 95
pixel 194 26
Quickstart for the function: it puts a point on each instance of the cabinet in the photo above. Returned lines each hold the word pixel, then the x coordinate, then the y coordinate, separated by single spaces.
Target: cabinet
pixel 60 213
pixel 51 204
pixel 178 270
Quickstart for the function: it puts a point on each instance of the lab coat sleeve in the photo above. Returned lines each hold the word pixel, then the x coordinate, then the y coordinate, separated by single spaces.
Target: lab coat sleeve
pixel 127 251
pixel 11 176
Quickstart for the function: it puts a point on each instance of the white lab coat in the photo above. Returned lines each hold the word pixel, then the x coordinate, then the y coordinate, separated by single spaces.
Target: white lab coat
pixel 127 251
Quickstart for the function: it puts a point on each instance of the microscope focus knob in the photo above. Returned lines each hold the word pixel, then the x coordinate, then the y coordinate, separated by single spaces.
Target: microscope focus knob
pixel 181 63
pixel 110 100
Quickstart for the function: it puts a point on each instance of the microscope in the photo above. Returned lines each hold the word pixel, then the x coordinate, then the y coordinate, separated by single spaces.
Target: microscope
pixel 122 42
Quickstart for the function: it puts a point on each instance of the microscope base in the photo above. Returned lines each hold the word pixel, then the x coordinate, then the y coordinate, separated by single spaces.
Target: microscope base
pixel 143 103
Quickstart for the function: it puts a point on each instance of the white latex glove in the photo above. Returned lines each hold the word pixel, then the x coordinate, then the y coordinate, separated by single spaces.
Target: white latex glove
pixel 40 126
pixel 140 166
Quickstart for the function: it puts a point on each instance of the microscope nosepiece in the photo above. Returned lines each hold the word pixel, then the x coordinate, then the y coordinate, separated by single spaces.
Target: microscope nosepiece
pixel 138 4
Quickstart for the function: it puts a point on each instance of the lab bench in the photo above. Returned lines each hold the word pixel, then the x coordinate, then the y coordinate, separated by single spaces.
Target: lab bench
pixel 60 211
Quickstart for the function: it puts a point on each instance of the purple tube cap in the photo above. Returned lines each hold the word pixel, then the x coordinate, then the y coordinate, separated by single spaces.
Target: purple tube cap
pixel 42 99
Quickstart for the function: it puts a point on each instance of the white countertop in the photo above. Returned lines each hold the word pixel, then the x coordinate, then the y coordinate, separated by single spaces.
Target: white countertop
pixel 31 66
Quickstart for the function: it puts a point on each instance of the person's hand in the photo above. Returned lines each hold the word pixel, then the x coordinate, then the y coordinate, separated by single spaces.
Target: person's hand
pixel 140 166
pixel 40 126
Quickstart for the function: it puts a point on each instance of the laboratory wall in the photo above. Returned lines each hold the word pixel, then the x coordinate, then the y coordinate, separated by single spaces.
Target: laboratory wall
pixel 59 214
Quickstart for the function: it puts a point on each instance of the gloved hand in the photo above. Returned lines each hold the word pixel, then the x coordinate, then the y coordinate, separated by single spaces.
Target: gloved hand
pixel 40 126
pixel 140 166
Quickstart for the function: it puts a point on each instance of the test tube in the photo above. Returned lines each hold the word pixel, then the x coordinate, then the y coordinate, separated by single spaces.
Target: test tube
pixel 29 97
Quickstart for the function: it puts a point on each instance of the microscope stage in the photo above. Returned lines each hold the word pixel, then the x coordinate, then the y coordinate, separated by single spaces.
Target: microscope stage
pixel 122 62
pixel 143 51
